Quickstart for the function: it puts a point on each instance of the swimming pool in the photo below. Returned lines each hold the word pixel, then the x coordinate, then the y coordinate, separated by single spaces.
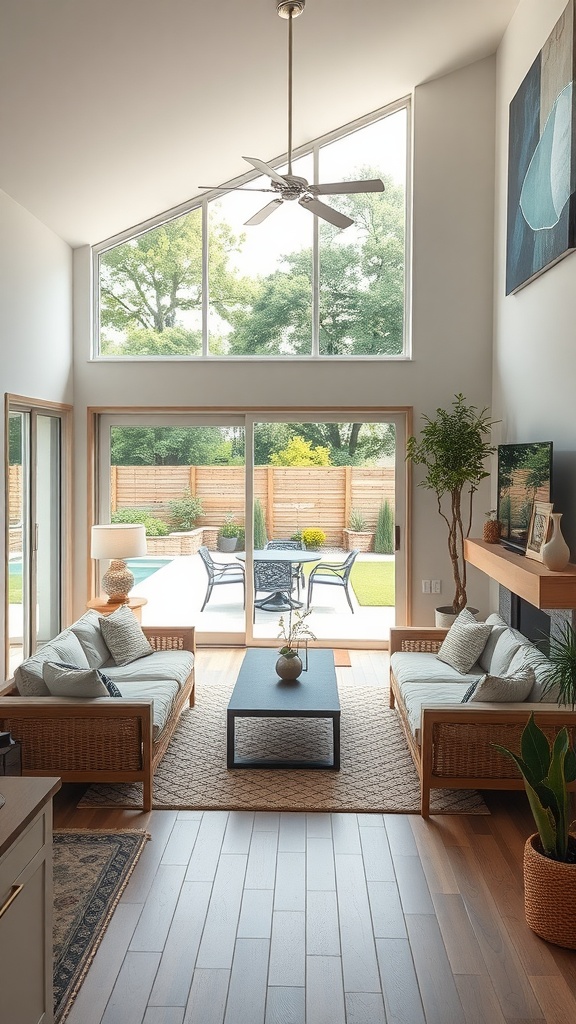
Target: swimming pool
pixel 142 568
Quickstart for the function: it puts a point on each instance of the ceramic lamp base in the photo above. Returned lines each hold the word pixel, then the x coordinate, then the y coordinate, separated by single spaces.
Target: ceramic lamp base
pixel 117 582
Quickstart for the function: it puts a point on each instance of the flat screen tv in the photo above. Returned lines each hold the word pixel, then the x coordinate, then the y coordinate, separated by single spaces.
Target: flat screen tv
pixel 524 476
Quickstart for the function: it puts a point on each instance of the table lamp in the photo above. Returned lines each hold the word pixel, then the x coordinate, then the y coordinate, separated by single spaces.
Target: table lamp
pixel 118 541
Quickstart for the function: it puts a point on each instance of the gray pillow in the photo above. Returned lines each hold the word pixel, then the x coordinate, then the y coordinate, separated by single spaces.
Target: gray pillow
pixel 501 689
pixel 464 642
pixel 64 647
pixel 88 632
pixel 65 680
pixel 124 637
pixel 498 628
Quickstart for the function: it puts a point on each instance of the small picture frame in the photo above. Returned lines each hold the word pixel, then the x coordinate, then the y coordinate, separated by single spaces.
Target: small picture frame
pixel 538 529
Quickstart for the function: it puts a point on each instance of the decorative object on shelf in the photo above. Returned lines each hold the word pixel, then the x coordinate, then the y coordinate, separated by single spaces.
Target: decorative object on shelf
pixel 549 854
pixel 453 448
pixel 295 633
pixel 555 552
pixel 117 542
pixel 538 529
pixel 10 755
pixel 492 527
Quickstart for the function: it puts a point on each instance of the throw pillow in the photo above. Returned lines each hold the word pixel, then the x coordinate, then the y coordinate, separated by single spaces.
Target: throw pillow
pixel 65 680
pixel 124 637
pixel 464 642
pixel 88 632
pixel 501 689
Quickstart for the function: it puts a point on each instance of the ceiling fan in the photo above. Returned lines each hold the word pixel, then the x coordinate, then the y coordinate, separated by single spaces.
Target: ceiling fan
pixel 291 186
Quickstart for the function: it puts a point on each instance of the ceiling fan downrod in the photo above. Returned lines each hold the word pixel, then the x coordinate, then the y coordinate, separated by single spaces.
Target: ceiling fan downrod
pixel 290 9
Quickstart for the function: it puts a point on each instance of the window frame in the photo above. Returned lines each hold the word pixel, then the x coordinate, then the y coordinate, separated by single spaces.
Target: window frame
pixel 201 203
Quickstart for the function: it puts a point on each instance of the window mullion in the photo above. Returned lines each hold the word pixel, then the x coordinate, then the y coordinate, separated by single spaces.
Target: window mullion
pixel 205 282
pixel 315 267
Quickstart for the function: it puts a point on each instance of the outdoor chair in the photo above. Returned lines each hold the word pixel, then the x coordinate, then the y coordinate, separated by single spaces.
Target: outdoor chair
pixel 275 579
pixel 220 573
pixel 335 575
pixel 297 570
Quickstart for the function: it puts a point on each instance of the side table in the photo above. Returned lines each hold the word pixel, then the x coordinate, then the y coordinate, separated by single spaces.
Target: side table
pixel 101 605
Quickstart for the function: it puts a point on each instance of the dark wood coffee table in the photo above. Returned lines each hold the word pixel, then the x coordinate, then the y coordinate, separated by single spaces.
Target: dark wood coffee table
pixel 259 693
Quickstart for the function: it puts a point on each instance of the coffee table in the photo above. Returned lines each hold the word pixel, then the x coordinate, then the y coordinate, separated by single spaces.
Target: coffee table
pixel 259 693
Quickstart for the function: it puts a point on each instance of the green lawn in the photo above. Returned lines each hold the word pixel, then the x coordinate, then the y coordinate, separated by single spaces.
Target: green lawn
pixel 372 582
pixel 15 590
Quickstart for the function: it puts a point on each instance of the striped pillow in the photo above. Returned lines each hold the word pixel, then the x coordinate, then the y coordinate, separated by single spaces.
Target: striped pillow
pixel 464 643
pixel 500 689
pixel 124 637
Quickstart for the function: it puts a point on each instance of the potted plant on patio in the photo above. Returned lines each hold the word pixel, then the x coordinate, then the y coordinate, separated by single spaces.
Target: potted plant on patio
pixel 453 448
pixel 357 537
pixel 228 534
pixel 294 633
pixel 549 854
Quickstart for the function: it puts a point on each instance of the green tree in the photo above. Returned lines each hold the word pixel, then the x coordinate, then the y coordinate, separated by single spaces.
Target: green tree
pixel 299 452
pixel 168 446
pixel 384 536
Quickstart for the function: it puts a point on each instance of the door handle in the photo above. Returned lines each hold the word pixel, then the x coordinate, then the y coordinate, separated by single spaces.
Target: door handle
pixel 14 892
pixel 396 538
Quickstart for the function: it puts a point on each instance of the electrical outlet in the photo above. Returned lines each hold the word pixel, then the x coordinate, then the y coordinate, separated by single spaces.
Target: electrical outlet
pixel 426 587
pixel 436 586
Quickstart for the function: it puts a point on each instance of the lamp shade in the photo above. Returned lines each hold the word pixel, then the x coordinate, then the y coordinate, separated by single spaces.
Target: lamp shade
pixel 118 540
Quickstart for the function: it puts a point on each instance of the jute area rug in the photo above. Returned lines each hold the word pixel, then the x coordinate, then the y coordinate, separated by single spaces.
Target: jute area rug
pixel 91 870
pixel 377 773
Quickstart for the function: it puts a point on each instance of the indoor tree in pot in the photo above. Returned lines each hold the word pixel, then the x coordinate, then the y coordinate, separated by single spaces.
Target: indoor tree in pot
pixel 453 448
pixel 549 854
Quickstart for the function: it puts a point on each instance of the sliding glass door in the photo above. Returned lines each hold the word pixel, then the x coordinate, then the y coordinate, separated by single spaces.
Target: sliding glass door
pixel 35 524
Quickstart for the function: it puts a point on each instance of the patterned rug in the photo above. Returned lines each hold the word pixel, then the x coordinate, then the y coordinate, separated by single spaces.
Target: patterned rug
pixel 91 870
pixel 377 773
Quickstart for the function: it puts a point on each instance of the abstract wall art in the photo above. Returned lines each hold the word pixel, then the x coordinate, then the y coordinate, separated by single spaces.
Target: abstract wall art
pixel 541 160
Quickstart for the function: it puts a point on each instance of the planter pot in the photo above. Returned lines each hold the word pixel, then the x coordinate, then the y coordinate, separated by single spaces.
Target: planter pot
pixel 444 616
pixel 355 540
pixel 549 896
pixel 288 668
pixel 491 531
pixel 227 544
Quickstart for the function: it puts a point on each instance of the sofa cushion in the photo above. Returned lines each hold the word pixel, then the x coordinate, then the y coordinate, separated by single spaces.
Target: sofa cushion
pixel 176 665
pixel 88 631
pixel 29 677
pixel 417 695
pixel 528 654
pixel 163 695
pixel 422 667
pixel 124 637
pixel 65 680
pixel 502 689
pixel 503 651
pixel 498 627
pixel 464 642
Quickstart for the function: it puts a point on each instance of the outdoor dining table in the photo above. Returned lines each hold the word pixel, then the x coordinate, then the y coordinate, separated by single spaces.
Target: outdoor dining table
pixel 280 601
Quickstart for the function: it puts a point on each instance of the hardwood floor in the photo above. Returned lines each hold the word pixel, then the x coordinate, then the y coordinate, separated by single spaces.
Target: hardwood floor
pixel 265 918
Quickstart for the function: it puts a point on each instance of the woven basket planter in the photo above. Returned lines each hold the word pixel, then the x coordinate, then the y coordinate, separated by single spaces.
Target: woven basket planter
pixel 491 532
pixel 549 896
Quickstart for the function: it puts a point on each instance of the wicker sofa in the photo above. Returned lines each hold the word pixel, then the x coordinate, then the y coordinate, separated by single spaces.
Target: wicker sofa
pixel 107 739
pixel 451 742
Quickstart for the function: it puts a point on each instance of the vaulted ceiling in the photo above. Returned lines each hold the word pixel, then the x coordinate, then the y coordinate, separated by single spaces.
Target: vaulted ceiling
pixel 112 111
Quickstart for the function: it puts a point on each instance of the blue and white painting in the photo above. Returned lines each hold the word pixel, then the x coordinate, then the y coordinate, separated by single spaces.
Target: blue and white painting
pixel 541 164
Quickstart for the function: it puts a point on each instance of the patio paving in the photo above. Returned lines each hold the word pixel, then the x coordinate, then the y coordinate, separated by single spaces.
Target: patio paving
pixel 176 591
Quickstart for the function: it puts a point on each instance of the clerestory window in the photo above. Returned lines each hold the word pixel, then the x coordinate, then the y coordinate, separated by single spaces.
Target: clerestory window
pixel 203 284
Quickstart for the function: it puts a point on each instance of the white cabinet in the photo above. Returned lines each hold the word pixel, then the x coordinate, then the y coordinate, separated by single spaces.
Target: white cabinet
pixel 26 900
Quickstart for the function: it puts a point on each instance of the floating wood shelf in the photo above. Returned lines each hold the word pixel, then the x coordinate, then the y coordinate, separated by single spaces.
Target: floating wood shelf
pixel 523 576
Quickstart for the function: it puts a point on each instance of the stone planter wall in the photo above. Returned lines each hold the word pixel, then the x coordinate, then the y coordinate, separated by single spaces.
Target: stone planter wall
pixel 185 543
pixel 354 541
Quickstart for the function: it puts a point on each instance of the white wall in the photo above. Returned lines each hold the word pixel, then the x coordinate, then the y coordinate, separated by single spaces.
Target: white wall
pixel 534 348
pixel 35 315
pixel 452 320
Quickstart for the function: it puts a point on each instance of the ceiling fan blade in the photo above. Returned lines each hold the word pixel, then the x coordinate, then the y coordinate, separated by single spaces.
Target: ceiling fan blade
pixel 348 187
pixel 263 213
pixel 235 188
pixel 259 165
pixel 326 212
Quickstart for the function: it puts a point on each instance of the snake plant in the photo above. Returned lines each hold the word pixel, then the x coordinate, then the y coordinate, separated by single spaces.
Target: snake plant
pixel 547 769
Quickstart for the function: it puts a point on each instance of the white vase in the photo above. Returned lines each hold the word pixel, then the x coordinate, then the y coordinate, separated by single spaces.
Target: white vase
pixel 444 616
pixel 555 552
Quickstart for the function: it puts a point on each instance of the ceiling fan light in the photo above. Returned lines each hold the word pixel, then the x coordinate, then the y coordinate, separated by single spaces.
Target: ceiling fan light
pixel 285 8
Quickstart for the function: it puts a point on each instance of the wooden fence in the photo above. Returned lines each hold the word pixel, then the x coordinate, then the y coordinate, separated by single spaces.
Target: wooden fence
pixel 292 497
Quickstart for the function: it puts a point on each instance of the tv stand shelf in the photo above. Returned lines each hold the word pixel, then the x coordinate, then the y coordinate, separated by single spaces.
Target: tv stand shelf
pixel 523 576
